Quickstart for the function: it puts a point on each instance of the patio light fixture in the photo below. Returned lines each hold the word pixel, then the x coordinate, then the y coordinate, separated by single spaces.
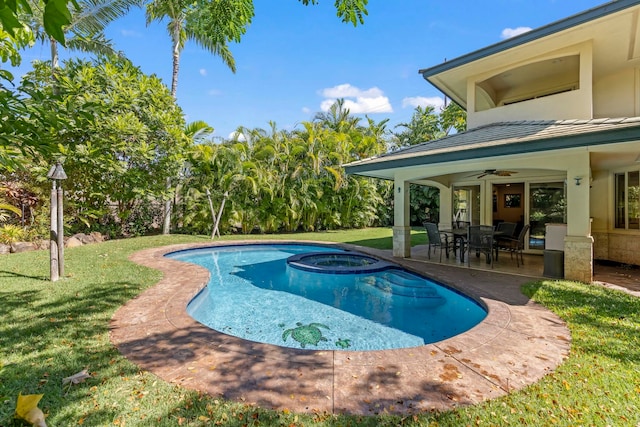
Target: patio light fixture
pixel 578 179
pixel 56 247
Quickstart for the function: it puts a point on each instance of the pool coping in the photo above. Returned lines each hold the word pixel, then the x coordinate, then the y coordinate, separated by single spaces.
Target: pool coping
pixel 515 345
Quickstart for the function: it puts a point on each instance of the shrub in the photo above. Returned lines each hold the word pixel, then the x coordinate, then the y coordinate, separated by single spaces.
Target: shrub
pixel 10 233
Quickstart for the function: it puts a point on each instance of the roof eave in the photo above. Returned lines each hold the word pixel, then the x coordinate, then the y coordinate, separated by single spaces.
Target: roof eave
pixel 535 34
pixel 548 144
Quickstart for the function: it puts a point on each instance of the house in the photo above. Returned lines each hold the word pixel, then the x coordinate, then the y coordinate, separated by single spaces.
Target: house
pixel 553 137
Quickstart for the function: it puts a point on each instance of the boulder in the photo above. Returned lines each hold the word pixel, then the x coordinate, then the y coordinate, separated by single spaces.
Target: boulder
pixel 5 249
pixel 73 242
pixel 18 247
pixel 97 237
pixel 84 238
pixel 43 244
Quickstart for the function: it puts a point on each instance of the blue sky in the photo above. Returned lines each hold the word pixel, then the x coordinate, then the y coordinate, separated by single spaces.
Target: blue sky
pixel 294 61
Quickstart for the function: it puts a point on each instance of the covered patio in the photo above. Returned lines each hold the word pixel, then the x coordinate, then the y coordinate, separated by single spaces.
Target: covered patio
pixel 573 158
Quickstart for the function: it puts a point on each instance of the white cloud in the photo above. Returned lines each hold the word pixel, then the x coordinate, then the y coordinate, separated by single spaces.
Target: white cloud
pixel 214 92
pixel 507 33
pixel 236 136
pixel 203 72
pixel 306 110
pixel 358 101
pixel 130 33
pixel 422 101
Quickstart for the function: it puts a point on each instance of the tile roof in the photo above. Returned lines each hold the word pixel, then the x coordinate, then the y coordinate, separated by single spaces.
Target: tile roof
pixel 514 137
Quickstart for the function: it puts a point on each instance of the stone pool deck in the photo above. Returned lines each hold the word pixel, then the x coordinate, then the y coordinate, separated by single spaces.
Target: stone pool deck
pixel 517 344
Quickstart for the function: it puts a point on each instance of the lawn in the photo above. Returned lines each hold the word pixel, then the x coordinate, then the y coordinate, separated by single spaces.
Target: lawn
pixel 49 331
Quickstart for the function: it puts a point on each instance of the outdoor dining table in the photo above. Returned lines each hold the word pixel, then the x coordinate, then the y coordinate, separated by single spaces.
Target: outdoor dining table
pixel 460 238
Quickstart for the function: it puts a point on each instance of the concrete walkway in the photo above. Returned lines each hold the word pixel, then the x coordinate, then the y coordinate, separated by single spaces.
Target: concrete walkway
pixel 517 344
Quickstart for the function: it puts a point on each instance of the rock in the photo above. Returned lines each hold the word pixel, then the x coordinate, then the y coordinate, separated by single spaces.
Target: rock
pixel 5 249
pixel 18 247
pixel 73 242
pixel 84 238
pixel 97 237
pixel 43 244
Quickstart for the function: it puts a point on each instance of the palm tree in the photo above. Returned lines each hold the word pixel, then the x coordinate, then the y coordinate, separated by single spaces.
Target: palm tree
pixel 86 26
pixel 338 118
pixel 211 24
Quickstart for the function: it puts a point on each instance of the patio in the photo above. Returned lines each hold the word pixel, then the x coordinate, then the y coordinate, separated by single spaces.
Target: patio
pixel 617 276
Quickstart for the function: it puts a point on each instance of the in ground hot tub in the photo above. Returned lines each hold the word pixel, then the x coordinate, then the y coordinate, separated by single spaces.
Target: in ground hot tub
pixel 337 263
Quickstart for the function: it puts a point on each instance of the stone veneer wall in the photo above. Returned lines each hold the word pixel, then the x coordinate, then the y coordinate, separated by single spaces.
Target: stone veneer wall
pixel 618 247
pixel 601 246
pixel 578 258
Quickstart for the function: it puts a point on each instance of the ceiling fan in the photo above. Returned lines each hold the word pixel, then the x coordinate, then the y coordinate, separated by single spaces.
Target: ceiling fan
pixel 495 172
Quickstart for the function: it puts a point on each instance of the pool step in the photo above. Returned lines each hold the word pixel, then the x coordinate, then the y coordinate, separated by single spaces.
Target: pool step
pixel 403 284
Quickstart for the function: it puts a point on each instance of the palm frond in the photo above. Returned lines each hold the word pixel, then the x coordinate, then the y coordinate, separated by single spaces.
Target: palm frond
pixel 96 43
pixel 95 15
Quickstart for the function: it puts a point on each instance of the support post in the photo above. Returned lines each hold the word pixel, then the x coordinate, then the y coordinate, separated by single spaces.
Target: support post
pixel 60 232
pixel 401 228
pixel 56 238
pixel 53 237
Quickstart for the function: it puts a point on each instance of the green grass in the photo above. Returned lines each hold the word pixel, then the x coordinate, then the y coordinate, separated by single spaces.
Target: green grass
pixel 49 331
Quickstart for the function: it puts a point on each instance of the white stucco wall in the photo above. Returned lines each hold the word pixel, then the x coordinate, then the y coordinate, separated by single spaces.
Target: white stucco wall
pixel 569 105
pixel 615 95
pixel 599 204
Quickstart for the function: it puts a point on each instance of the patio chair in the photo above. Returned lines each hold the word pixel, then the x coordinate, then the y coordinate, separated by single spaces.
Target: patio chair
pixel 504 230
pixel 461 224
pixel 480 239
pixel 516 245
pixel 438 239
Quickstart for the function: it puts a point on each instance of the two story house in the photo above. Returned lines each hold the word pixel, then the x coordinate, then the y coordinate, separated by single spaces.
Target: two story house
pixel 553 137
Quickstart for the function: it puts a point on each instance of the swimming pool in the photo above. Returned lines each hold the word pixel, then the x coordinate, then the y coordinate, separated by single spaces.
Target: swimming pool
pixel 256 295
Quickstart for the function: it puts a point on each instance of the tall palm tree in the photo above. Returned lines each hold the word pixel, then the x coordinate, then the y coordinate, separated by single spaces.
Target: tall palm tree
pixel 211 24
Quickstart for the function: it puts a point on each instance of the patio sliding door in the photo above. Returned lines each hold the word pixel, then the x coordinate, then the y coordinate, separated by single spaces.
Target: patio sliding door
pixel 547 204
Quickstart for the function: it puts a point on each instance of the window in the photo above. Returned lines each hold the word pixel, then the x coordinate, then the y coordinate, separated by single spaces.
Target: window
pixel 627 201
pixel 547 204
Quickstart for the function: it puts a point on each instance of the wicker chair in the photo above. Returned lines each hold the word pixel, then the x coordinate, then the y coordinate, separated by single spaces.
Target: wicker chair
pixel 438 239
pixel 507 231
pixel 516 245
pixel 480 239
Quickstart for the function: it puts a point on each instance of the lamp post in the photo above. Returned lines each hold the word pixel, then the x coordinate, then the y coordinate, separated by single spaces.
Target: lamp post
pixel 56 174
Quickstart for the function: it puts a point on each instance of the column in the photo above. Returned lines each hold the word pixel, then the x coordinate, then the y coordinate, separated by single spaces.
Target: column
pixel 446 208
pixel 401 228
pixel 578 244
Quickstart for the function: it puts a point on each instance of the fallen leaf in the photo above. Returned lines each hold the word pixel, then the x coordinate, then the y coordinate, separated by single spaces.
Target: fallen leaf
pixel 77 378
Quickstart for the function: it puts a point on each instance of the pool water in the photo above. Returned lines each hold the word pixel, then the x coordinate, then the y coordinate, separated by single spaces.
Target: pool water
pixel 255 295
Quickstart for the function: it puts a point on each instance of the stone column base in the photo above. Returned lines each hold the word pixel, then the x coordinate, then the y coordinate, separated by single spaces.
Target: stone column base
pixel 578 258
pixel 402 242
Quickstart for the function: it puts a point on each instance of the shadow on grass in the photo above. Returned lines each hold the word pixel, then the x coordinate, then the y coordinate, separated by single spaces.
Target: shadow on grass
pixel 48 334
pixel 602 321
pixel 10 274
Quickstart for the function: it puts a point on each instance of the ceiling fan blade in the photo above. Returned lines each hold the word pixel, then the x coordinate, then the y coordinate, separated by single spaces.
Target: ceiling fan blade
pixel 492 172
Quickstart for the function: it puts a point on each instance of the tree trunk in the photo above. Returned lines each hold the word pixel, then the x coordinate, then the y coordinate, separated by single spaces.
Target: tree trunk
pixel 166 227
